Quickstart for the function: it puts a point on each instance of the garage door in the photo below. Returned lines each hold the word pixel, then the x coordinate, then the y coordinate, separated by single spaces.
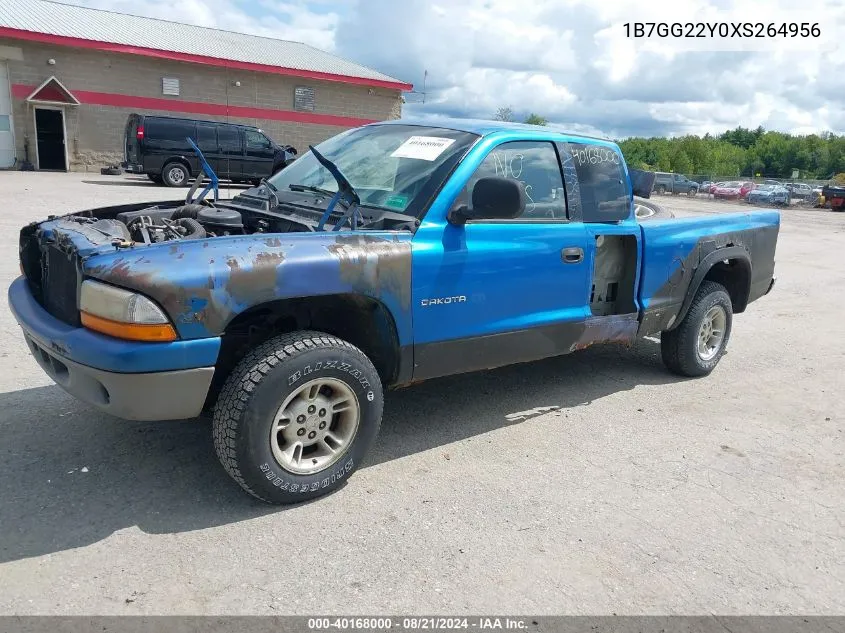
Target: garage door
pixel 7 142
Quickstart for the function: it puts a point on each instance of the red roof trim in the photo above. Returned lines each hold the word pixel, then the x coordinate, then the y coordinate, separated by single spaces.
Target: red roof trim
pixel 61 40
pixel 20 91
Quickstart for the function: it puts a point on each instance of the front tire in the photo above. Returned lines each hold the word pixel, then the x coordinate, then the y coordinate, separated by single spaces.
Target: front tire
pixel 297 416
pixel 695 347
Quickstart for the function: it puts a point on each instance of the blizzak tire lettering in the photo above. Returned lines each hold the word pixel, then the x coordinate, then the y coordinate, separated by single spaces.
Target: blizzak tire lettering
pixel 282 484
pixel 357 374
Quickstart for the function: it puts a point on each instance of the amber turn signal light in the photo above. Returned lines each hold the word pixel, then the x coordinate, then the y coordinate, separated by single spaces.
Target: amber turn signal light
pixel 130 331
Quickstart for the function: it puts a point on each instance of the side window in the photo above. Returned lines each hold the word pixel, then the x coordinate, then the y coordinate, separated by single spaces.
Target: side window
pixel 207 137
pixel 535 165
pixel 602 184
pixel 171 130
pixel 256 140
pixel 229 139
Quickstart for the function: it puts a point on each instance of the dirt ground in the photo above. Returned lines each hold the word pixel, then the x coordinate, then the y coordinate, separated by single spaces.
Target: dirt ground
pixel 590 484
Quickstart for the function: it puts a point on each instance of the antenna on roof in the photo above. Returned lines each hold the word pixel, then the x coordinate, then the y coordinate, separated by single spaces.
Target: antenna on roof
pixel 421 98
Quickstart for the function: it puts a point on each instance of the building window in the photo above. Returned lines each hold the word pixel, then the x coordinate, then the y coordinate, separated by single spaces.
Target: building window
pixel 170 86
pixel 303 98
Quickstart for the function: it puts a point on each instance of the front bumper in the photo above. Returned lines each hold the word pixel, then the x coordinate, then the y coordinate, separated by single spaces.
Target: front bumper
pixel 130 380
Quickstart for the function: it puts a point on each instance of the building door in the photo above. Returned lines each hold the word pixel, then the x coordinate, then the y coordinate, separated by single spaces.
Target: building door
pixel 7 139
pixel 50 139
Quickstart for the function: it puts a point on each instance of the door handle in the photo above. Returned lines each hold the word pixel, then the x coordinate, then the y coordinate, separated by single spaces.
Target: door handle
pixel 572 255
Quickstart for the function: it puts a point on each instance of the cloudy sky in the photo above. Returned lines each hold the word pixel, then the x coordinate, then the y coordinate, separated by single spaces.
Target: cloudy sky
pixel 567 60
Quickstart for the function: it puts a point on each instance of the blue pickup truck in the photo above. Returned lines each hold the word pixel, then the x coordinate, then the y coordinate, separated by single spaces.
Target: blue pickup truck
pixel 389 254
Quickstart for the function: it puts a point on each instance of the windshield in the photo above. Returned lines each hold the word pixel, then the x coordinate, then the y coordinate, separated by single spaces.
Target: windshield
pixel 391 167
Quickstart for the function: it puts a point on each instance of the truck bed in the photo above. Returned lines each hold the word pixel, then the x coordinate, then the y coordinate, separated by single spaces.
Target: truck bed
pixel 676 249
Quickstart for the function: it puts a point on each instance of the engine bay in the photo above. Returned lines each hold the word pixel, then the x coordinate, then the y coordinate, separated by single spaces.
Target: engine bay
pixel 187 222
pixel 141 223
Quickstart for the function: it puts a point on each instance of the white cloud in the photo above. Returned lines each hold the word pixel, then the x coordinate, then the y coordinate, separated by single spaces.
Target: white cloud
pixel 567 60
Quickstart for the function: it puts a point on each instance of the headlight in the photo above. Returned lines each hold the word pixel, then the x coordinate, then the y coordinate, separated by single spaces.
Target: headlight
pixel 123 314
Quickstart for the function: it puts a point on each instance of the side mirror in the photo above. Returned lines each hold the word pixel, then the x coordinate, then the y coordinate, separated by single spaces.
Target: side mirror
pixel 642 182
pixel 492 199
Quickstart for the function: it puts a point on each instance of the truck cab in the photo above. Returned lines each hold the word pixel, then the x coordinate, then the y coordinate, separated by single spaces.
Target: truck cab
pixel 389 254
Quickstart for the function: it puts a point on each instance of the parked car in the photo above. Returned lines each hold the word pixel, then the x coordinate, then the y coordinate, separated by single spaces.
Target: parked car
pixel 288 310
pixel 768 194
pixel 800 190
pixel 833 196
pixel 733 189
pixel 157 146
pixel 674 183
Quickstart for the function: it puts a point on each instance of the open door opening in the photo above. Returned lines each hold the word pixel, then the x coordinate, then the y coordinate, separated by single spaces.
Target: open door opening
pixel 50 139
pixel 614 275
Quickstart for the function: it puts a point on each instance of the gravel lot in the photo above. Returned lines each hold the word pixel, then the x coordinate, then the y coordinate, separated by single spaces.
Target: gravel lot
pixel 594 483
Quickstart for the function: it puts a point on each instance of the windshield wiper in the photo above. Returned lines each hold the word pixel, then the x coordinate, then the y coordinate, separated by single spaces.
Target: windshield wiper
pixel 346 195
pixel 325 192
pixel 273 189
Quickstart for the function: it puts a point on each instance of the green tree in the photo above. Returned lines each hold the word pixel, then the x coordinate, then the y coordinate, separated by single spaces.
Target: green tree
pixel 536 119
pixel 740 152
pixel 742 137
pixel 680 161
pixel 504 114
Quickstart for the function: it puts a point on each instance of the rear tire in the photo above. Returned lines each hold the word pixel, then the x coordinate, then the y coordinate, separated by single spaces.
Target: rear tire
pixel 661 189
pixel 695 347
pixel 175 175
pixel 306 388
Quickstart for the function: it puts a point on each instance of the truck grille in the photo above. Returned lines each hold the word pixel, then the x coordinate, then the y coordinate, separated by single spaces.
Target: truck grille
pixel 52 278
pixel 60 284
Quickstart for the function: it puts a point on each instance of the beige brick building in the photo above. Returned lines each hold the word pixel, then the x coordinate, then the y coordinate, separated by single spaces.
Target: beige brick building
pixel 70 76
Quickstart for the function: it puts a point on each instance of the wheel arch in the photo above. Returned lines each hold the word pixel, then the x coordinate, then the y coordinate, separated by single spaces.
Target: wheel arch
pixel 730 267
pixel 363 321
pixel 176 159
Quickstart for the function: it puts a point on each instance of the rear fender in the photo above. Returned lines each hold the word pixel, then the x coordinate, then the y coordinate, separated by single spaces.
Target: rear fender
pixel 734 253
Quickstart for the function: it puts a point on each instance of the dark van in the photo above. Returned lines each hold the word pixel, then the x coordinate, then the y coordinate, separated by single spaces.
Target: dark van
pixel 157 146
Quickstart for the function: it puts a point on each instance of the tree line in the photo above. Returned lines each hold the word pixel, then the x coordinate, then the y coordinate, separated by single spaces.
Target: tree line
pixel 740 152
